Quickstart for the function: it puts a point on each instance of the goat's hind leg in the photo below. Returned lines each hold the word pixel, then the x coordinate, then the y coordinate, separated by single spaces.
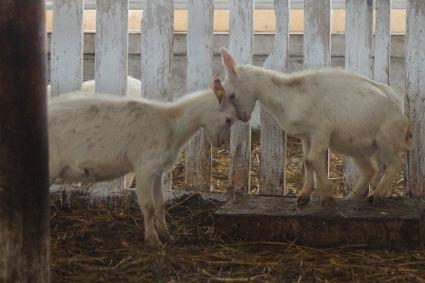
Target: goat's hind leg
pixel 159 206
pixel 367 171
pixel 392 162
pixel 144 185
pixel 316 157
pixel 308 185
pixel 54 172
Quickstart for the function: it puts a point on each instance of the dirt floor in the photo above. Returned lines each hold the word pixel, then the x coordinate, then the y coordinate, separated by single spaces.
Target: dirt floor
pixel 106 245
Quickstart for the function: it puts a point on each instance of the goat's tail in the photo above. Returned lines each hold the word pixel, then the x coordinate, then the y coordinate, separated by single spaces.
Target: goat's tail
pixel 408 142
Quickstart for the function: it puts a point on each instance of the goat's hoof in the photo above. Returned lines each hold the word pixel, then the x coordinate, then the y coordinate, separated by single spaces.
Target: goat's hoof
pixel 154 242
pixel 373 199
pixel 353 196
pixel 327 201
pixel 164 237
pixel 170 239
pixel 303 200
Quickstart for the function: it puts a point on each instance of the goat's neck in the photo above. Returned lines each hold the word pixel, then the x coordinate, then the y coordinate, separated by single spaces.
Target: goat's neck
pixel 189 117
pixel 260 82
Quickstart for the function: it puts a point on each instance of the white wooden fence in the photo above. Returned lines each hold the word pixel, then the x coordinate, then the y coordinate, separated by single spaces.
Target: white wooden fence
pixel 157 58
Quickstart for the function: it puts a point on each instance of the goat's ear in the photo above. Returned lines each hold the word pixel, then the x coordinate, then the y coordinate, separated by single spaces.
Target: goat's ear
pixel 228 61
pixel 218 88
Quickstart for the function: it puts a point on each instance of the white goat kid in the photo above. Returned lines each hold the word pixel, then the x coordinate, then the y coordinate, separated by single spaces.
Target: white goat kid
pixel 103 137
pixel 333 109
pixel 134 87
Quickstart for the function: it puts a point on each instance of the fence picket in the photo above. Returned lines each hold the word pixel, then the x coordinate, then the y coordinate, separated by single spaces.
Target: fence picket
pixel 199 73
pixel 272 138
pixel 358 46
pixel 240 45
pixel 157 54
pixel 111 61
pixel 317 33
pixel 111 46
pixel 317 39
pixel 382 49
pixel 415 94
pixel 67 46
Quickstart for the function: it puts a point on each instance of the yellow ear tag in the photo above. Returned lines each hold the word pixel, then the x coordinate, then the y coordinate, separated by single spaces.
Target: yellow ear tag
pixel 219 94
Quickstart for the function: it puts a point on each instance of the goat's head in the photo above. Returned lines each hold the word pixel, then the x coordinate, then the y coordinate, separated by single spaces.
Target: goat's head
pixel 222 115
pixel 236 91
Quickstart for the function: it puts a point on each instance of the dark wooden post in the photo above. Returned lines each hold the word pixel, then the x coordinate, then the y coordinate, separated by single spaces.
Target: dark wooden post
pixel 24 222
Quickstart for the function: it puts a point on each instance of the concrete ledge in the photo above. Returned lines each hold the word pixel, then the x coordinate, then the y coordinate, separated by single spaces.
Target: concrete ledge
pixel 391 224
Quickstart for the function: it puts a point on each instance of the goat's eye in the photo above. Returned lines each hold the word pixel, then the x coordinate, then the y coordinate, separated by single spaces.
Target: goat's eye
pixel 228 121
pixel 232 96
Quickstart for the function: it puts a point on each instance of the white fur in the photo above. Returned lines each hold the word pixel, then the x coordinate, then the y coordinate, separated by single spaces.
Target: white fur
pixel 103 137
pixel 134 87
pixel 333 109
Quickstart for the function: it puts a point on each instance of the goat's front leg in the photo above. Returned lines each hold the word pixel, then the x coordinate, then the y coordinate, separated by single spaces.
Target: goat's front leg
pixel 144 185
pixel 316 158
pixel 159 205
pixel 308 185
pixel 367 171
pixel 54 172
pixel 128 180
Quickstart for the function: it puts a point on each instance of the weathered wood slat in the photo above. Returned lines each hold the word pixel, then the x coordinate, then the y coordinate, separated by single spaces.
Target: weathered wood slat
pixel 24 177
pixel 111 60
pixel 111 47
pixel 272 138
pixel 317 34
pixel 67 46
pixel 157 54
pixel 358 39
pixel 317 38
pixel 392 224
pixel 358 47
pixel 240 45
pixel 415 91
pixel 199 74
pixel 382 49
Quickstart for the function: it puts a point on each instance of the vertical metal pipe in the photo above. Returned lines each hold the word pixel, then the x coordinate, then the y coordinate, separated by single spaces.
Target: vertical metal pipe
pixel 24 222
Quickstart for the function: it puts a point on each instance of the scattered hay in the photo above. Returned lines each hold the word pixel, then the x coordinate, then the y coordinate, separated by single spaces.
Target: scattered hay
pixel 106 245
